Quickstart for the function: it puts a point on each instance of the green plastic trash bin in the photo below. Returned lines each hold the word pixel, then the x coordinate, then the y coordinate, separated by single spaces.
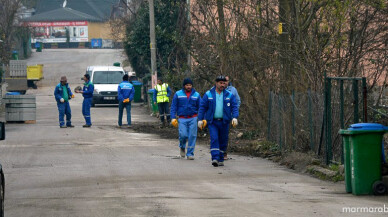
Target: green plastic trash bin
pixel 365 157
pixel 116 64
pixel 153 105
pixel 15 55
pixel 137 85
pixel 348 172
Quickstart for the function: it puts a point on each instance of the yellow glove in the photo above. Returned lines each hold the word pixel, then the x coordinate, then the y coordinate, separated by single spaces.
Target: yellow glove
pixel 72 96
pixel 174 122
pixel 234 122
pixel 126 100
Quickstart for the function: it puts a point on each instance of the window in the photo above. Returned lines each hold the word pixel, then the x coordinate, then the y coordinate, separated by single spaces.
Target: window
pixel 107 77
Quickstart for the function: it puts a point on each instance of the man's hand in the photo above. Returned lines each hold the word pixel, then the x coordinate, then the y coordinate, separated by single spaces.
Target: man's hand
pixel 62 100
pixel 174 122
pixel 126 100
pixel 234 122
pixel 72 96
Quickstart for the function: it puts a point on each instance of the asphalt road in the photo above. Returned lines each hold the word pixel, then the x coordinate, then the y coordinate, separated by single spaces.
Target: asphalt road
pixel 106 171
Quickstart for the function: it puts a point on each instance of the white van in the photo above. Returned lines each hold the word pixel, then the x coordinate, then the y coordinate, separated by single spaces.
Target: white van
pixel 106 80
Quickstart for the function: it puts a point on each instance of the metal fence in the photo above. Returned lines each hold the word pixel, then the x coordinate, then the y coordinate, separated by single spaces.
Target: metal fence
pixel 300 122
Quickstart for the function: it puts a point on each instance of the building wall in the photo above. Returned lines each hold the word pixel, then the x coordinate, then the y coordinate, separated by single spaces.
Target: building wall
pixel 99 30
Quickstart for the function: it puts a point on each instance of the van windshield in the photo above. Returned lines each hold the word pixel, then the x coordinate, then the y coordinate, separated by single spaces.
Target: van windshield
pixel 107 77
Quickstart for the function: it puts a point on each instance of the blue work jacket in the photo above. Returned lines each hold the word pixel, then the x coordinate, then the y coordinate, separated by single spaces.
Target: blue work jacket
pixel 183 106
pixel 58 92
pixel 125 90
pixel 88 90
pixel 207 107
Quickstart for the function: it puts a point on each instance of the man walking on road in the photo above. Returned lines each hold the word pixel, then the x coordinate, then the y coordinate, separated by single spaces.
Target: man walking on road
pixel 87 93
pixel 62 95
pixel 126 92
pixel 233 90
pixel 161 96
pixel 185 105
pixel 218 108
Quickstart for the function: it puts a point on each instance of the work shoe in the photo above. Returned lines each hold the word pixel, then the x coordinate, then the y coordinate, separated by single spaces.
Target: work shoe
pixel 182 152
pixel 71 126
pixel 225 156
pixel 220 164
pixel 86 125
pixel 215 163
pixel 63 126
pixel 190 157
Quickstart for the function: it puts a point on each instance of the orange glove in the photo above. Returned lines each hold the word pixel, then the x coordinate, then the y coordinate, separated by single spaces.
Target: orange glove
pixel 202 124
pixel 72 96
pixel 174 122
pixel 126 100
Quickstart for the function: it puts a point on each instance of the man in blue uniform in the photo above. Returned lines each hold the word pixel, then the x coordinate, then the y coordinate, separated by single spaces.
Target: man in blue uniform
pixel 185 105
pixel 87 93
pixel 218 108
pixel 233 90
pixel 62 95
pixel 126 92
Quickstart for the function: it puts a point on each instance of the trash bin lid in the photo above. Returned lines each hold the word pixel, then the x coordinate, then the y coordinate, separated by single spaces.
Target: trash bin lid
pixel 367 126
pixel 137 83
pixel 151 90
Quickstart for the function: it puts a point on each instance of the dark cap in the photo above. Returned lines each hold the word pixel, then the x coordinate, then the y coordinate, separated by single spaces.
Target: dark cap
pixel 187 81
pixel 220 78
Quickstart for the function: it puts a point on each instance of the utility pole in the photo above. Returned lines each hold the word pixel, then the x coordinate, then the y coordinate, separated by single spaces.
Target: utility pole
pixel 154 73
pixel 188 71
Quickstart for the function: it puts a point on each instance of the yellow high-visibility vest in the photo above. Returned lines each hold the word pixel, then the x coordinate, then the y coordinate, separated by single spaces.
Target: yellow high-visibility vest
pixel 162 93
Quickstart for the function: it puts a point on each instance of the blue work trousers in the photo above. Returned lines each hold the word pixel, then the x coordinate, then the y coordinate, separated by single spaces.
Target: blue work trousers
pixel 188 131
pixel 163 110
pixel 219 134
pixel 64 109
pixel 86 104
pixel 127 107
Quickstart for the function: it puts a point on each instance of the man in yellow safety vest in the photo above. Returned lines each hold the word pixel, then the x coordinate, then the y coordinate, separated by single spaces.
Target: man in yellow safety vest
pixel 161 96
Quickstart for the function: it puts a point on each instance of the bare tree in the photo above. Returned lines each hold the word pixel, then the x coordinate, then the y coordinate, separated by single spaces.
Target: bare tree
pixel 8 10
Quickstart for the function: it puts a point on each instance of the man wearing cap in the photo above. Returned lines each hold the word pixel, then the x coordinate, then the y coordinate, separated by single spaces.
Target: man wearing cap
pixel 87 93
pixel 233 90
pixel 126 92
pixel 62 95
pixel 161 96
pixel 184 106
pixel 218 108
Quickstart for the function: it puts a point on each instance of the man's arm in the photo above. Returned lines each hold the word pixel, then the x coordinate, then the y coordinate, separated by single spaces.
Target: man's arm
pixel 56 93
pixel 154 95
pixel 119 95
pixel 132 94
pixel 174 106
pixel 203 107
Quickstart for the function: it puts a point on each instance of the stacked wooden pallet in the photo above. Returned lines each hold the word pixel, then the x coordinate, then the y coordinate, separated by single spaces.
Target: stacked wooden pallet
pixel 20 108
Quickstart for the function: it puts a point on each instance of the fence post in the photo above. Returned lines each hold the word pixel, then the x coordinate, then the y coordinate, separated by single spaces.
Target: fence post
pixel 342 116
pixel 269 115
pixel 355 95
pixel 329 124
pixel 293 119
pixel 310 113
pixel 280 120
pixel 365 101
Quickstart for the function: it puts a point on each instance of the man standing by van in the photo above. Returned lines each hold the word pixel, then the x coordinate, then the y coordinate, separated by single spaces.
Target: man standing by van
pixel 161 96
pixel 87 93
pixel 126 92
pixel 62 95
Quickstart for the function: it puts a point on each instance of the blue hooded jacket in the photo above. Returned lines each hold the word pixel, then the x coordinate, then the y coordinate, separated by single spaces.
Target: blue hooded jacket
pixel 183 106
pixel 125 90
pixel 88 90
pixel 207 107
pixel 58 92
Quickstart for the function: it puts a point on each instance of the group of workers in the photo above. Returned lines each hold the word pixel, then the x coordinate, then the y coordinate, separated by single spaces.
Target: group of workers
pixel 217 109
